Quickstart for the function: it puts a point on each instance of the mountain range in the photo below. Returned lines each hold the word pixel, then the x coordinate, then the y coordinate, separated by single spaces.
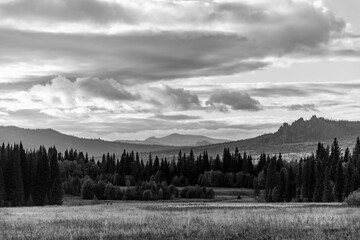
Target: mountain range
pixel 292 140
pixel 179 140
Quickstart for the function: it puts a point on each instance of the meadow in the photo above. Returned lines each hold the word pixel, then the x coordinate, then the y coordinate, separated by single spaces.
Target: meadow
pixel 181 219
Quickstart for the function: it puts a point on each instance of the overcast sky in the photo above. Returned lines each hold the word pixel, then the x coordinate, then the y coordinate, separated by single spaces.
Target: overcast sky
pixel 133 69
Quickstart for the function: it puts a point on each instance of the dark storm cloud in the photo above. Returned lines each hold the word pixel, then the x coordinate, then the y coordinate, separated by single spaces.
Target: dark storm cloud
pixel 236 100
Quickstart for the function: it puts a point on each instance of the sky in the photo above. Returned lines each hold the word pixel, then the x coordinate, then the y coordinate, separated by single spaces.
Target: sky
pixel 230 69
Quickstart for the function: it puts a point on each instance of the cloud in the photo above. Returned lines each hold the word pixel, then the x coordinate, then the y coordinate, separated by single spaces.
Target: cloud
pixel 176 117
pixel 62 92
pixel 179 98
pixel 87 11
pixel 298 89
pixel 137 41
pixel 302 107
pixel 236 100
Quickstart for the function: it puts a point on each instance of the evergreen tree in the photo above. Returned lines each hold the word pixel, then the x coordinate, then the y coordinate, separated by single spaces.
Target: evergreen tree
pixel 327 194
pixel 2 187
pixel 319 182
pixel 283 186
pixel 348 176
pixel 334 158
pixel 270 179
pixel 13 177
pixel 41 185
pixel 55 186
pixel 25 170
pixel 339 182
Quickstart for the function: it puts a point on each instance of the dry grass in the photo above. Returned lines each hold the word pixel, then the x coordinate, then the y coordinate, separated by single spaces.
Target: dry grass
pixel 176 220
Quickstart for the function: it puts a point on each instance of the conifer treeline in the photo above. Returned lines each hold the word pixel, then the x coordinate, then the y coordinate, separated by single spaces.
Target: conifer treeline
pixel 29 178
pixel 39 177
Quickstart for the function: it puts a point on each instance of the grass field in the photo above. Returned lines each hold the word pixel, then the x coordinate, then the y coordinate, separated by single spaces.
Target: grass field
pixel 217 219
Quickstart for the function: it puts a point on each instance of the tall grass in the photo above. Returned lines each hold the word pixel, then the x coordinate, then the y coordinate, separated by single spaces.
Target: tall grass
pixel 132 220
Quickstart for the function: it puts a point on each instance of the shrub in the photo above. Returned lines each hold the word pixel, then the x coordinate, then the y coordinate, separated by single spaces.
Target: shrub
pixel 353 199
pixel 130 194
pixel 109 192
pixel 99 190
pixel 87 189
pixel 275 195
pixel 147 195
pixel 118 193
pixel 173 191
pixel 210 193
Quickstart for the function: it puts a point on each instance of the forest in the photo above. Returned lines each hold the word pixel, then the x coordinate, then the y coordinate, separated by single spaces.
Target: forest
pixel 42 177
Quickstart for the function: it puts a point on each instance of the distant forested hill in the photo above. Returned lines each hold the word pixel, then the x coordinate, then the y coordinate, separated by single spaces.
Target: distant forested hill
pixel 33 138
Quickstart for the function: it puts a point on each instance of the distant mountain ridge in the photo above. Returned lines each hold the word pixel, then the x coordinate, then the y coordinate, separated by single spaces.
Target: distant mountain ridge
pixel 33 138
pixel 298 138
pixel 177 139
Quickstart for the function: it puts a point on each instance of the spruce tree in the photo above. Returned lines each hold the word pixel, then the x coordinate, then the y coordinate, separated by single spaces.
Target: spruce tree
pixel 339 182
pixel 2 187
pixel 55 186
pixel 327 194
pixel 41 185
pixel 348 175
pixel 319 182
pixel 270 179
pixel 25 170
pixel 13 177
pixel 283 186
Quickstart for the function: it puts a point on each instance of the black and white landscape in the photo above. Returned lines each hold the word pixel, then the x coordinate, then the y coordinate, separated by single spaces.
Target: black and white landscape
pixel 179 119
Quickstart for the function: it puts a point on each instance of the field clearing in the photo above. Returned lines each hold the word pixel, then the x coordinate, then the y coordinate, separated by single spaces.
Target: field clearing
pixel 182 220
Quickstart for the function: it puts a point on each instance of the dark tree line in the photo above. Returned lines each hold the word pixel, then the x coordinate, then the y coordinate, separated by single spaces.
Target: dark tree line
pixel 40 177
pixel 29 178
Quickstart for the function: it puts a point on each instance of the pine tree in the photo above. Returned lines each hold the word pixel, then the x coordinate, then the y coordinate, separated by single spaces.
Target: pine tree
pixel 55 187
pixel 270 179
pixel 41 185
pixel 327 194
pixel 25 170
pixel 348 176
pixel 283 186
pixel 339 182
pixel 334 158
pixel 2 187
pixel 319 182
pixel 13 177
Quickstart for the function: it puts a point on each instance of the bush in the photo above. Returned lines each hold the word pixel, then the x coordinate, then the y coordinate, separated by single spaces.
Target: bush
pixel 147 195
pixel 210 193
pixel 353 199
pixel 109 192
pixel 173 192
pixel 99 190
pixel 87 189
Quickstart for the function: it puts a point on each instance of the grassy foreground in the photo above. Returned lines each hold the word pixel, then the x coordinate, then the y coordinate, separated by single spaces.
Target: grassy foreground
pixel 181 220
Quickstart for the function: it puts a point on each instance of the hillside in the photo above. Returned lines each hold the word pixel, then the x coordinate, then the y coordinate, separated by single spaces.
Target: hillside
pixel 33 138
pixel 298 139
pixel 178 140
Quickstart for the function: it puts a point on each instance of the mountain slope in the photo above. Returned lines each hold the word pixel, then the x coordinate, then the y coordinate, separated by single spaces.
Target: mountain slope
pixel 176 139
pixel 33 138
pixel 298 139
